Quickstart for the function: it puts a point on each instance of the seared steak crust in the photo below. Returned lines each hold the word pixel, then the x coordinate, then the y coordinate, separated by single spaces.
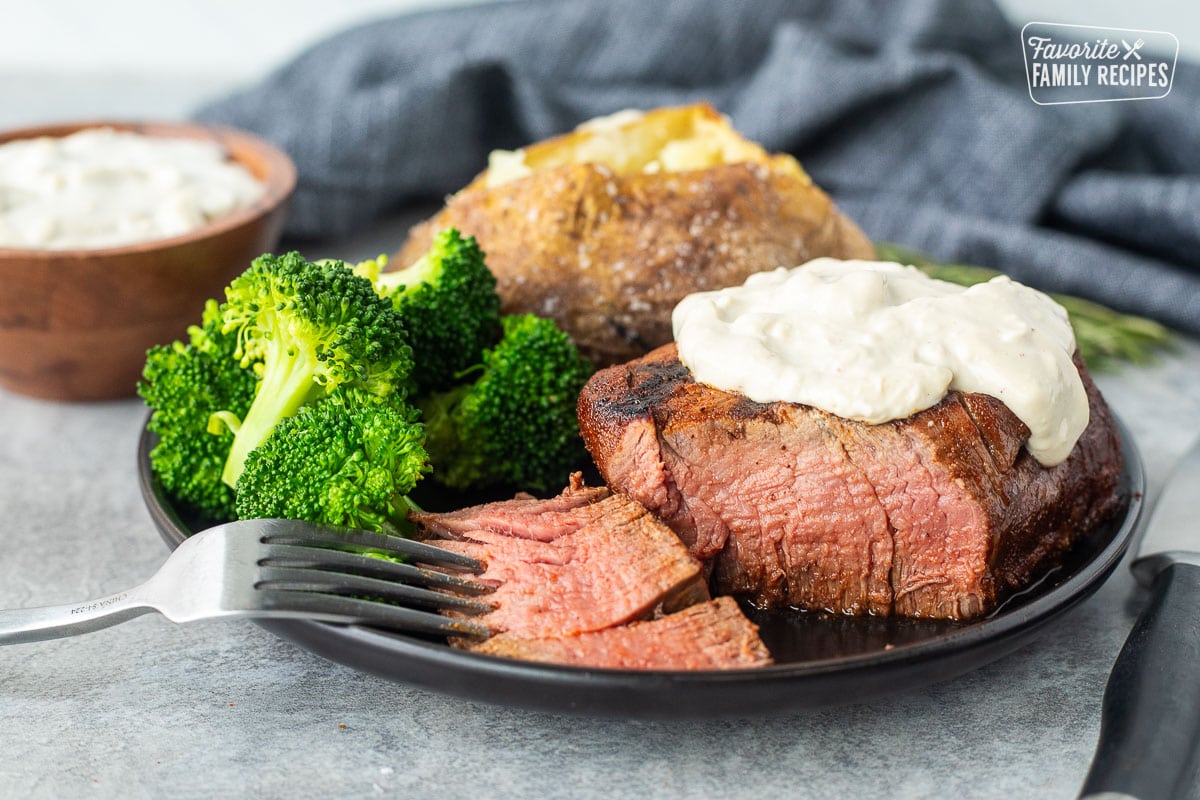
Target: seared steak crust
pixel 940 515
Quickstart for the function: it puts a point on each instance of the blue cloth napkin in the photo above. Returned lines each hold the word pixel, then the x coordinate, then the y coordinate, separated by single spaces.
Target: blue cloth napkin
pixel 914 114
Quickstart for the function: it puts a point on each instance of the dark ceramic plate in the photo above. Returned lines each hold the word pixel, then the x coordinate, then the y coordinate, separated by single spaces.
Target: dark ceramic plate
pixel 821 659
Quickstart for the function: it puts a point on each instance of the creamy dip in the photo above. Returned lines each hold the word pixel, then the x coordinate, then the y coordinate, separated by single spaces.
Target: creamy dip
pixel 104 188
pixel 875 342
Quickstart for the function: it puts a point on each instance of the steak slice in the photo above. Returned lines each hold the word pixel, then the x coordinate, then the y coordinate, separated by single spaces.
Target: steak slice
pixel 709 635
pixel 612 563
pixel 941 514
pixel 524 516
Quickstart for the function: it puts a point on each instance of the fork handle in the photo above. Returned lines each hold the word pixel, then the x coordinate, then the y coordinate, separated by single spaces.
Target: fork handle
pixel 21 625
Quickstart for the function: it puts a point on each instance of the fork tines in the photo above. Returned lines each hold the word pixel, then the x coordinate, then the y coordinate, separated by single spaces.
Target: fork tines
pixel 336 608
pixel 324 558
pixel 334 573
pixel 355 541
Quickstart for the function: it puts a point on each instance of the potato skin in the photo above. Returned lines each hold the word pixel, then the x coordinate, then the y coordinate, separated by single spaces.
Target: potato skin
pixel 608 256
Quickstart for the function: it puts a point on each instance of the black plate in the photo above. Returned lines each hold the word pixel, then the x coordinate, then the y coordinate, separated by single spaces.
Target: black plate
pixel 821 659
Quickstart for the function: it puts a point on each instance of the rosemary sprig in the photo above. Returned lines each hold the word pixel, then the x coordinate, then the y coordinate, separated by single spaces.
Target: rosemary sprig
pixel 1104 336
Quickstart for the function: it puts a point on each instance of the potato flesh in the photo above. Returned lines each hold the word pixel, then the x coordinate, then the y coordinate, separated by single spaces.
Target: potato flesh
pixel 631 142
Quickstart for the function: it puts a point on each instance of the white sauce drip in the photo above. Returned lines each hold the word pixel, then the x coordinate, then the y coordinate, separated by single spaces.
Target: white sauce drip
pixel 875 342
pixel 105 188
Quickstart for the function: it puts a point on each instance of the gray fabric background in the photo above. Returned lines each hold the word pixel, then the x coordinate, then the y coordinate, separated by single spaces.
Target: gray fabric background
pixel 913 114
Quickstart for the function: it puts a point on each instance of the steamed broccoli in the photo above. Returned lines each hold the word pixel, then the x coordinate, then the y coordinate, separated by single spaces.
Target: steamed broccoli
pixel 348 459
pixel 184 383
pixel 293 397
pixel 306 329
pixel 515 425
pixel 449 304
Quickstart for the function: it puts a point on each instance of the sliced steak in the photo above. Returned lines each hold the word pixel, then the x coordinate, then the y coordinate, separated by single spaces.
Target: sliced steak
pixel 612 563
pixel 524 516
pixel 710 635
pixel 938 515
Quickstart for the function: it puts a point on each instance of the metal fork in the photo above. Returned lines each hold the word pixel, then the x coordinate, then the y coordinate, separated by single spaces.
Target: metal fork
pixel 284 569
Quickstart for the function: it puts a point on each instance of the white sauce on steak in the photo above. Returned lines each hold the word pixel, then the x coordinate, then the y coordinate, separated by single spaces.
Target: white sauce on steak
pixel 875 342
pixel 102 187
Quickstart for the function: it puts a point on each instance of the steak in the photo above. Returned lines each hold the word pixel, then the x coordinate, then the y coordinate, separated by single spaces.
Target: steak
pixel 591 578
pixel 524 516
pixel 942 514
pixel 710 635
pixel 613 562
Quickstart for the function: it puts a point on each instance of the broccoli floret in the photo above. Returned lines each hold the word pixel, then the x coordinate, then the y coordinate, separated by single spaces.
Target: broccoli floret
pixel 450 307
pixel 306 329
pixel 184 384
pixel 515 425
pixel 348 459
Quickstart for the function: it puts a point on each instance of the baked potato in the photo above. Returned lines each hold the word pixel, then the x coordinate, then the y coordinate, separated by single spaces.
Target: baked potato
pixel 606 228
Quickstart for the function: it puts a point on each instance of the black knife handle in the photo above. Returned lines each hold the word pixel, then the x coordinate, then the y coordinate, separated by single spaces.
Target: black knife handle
pixel 1150 722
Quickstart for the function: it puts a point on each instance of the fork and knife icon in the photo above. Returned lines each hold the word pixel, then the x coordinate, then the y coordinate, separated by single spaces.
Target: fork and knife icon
pixel 1132 49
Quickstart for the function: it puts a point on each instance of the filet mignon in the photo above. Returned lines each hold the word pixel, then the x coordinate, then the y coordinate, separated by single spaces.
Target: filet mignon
pixel 610 562
pixel 937 515
pixel 591 578
pixel 710 635
pixel 524 516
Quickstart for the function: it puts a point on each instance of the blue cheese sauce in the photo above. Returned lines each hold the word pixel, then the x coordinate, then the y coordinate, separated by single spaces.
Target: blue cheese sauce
pixel 874 342
pixel 102 187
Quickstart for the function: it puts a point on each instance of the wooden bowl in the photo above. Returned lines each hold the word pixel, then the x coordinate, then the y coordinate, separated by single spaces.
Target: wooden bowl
pixel 76 324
